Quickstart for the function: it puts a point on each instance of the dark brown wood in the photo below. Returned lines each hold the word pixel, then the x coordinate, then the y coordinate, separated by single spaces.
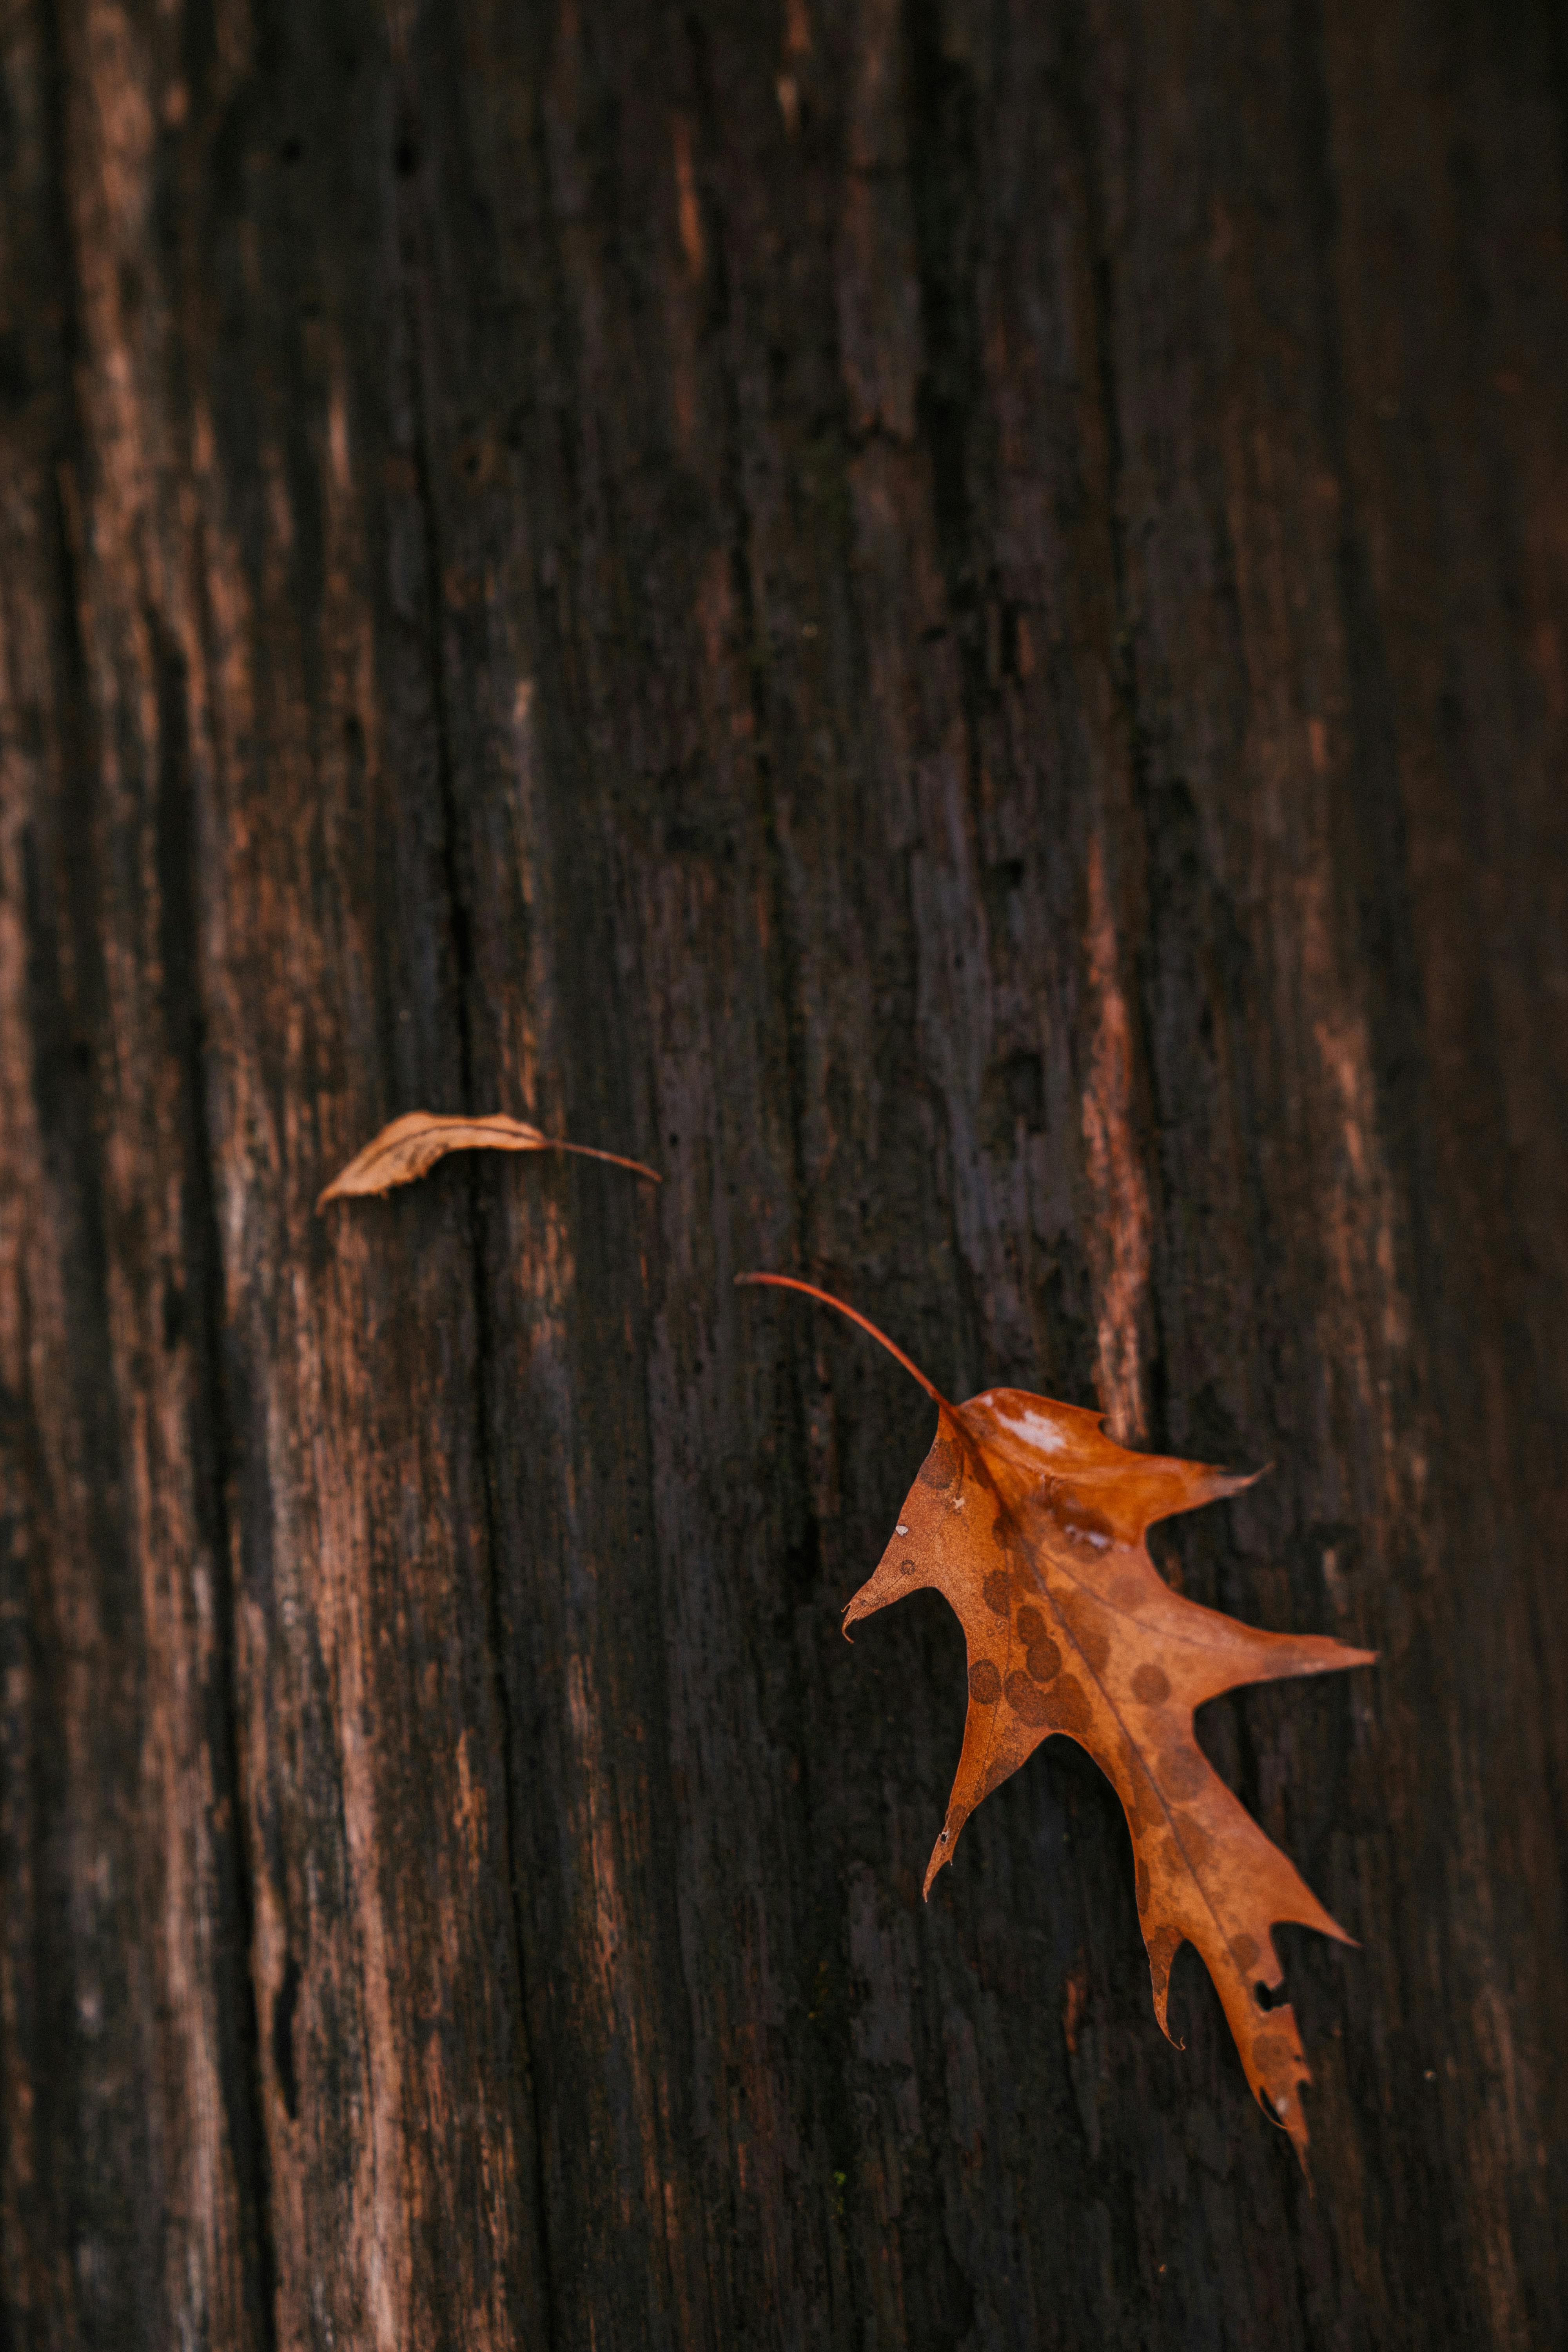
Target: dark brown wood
pixel 949 622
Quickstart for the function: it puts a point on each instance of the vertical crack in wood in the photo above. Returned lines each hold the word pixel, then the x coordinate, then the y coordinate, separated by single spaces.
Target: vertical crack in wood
pixel 1134 1375
pixel 1378 797
pixel 178 859
pixel 780 922
pixel 85 1915
pixel 485 1366
pixel 942 103
pixel 784 959
pixel 70 936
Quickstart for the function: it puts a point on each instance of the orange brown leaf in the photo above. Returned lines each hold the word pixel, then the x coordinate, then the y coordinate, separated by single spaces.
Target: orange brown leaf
pixel 1031 1521
pixel 404 1151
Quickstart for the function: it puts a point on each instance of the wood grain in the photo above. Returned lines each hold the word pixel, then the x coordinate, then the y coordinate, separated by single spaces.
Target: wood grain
pixel 947 624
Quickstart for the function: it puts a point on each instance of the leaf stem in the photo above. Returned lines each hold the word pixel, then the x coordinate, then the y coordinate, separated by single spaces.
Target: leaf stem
pixel 591 1152
pixel 788 1282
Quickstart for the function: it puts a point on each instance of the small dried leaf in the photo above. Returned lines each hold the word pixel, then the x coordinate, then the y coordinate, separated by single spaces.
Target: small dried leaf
pixel 1030 1522
pixel 402 1152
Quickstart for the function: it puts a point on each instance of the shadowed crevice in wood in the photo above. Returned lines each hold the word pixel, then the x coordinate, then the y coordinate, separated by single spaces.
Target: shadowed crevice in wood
pixel 1118 897
pixel 80 1971
pixel 1429 887
pixel 765 746
pixel 945 128
pixel 1374 863
pixel 777 755
pixel 415 283
pixel 487 1404
pixel 73 2263
pixel 179 871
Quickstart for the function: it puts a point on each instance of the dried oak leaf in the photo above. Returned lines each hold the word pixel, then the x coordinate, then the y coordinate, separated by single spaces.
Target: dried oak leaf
pixel 1030 1522
pixel 402 1152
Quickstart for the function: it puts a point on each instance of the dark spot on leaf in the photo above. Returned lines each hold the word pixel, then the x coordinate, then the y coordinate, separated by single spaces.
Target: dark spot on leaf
pixel 1163 1946
pixel 1029 1705
pixel 1043 1660
pixel 1243 1951
pixel 908 1566
pixel 1271 2054
pixel 1151 1684
pixel 1069 1706
pixel 1143 1884
pixel 940 1467
pixel 1141 1809
pixel 1031 1627
pixel 1095 1647
pixel 1182 1771
pixel 997 1592
pixel 985 1682
pixel 1083 1620
pixel 1196 1843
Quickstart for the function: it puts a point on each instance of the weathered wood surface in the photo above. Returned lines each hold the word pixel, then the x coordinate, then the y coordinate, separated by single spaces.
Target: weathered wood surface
pixel 950 622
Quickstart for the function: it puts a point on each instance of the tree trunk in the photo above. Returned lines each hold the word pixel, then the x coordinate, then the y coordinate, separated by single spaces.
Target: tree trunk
pixel 949 622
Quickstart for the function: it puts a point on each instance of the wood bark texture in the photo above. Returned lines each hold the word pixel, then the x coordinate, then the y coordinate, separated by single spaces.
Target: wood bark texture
pixel 948 621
